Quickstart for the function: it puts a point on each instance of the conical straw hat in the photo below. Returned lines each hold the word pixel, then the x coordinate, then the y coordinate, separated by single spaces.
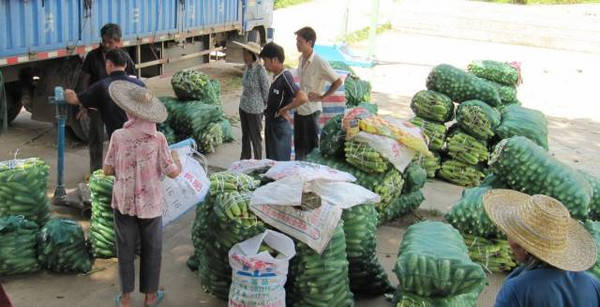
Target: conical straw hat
pixel 543 227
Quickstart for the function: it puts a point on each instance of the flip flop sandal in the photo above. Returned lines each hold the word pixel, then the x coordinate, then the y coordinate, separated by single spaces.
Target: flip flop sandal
pixel 159 296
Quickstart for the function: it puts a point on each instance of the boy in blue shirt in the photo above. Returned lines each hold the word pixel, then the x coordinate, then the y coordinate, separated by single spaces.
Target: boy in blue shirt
pixel 284 95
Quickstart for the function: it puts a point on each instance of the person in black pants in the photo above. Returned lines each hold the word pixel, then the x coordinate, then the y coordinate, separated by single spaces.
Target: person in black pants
pixel 253 101
pixel 94 70
pixel 314 73
pixel 284 95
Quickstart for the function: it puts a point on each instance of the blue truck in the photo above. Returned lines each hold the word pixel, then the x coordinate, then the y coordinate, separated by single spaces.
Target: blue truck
pixel 43 42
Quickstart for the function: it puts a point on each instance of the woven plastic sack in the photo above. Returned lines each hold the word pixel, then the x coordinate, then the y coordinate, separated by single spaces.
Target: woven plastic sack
pixel 102 227
pixel 387 185
pixel 320 280
pixel 62 247
pixel 18 242
pixel 433 260
pixel 519 121
pixel 527 167
pixel 366 274
pixel 478 119
pixel 23 186
pixel 195 85
pixel 260 267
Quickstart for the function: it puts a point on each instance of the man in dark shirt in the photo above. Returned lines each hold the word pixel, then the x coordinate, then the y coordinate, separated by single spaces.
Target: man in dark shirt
pixel 284 95
pixel 98 97
pixel 94 70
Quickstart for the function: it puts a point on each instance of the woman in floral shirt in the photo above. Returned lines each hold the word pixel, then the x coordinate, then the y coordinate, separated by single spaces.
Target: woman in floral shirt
pixel 253 101
pixel 139 157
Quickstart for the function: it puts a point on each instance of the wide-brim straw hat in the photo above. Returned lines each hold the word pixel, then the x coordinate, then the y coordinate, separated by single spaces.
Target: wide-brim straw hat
pixel 543 227
pixel 250 46
pixel 137 101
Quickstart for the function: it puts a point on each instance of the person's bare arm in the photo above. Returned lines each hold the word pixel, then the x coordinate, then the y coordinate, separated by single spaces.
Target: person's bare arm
pixel 299 100
pixel 174 173
pixel 109 170
pixel 71 97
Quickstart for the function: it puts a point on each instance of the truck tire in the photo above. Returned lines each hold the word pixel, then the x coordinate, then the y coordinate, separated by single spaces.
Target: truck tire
pixel 13 103
pixel 81 128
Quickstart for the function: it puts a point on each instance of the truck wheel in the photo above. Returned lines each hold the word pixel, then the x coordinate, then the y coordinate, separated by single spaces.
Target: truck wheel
pixel 81 128
pixel 13 103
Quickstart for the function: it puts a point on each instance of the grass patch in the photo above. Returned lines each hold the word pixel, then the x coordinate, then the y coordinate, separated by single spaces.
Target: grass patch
pixel 543 1
pixel 279 4
pixel 363 33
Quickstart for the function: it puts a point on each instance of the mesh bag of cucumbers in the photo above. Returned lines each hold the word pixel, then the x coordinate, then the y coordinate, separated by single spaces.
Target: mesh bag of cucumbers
pixel 529 168
pixel 594 183
pixel 228 221
pixel 433 261
pixel 102 229
pixel 320 280
pixel 366 274
pixel 494 255
pixel 519 121
pixel 23 189
pixel 195 85
pixel 435 132
pixel 408 299
pixel 18 246
pixel 62 247
pixel 594 228
pixel 205 123
pixel 357 91
pixel 461 86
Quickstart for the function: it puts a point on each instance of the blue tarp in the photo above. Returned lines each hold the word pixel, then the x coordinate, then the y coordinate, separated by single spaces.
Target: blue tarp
pixel 342 53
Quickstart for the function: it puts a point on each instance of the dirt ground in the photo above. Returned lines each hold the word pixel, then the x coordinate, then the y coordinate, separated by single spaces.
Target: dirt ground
pixel 557 82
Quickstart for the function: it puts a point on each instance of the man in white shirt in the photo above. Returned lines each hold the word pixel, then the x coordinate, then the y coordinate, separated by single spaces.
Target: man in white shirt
pixel 314 72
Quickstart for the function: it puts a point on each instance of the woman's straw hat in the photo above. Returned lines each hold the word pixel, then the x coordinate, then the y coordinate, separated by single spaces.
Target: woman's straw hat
pixel 250 46
pixel 137 101
pixel 543 227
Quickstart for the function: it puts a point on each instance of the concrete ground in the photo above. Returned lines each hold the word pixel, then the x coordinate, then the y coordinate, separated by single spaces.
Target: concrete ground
pixel 557 82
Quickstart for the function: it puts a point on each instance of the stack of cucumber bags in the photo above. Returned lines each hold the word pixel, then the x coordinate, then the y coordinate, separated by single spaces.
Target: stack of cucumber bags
pixel 433 110
pixel 18 242
pixel 487 85
pixel 23 189
pixel 400 193
pixel 62 247
pixel 224 221
pixel 102 229
pixel 433 263
pixel 320 280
